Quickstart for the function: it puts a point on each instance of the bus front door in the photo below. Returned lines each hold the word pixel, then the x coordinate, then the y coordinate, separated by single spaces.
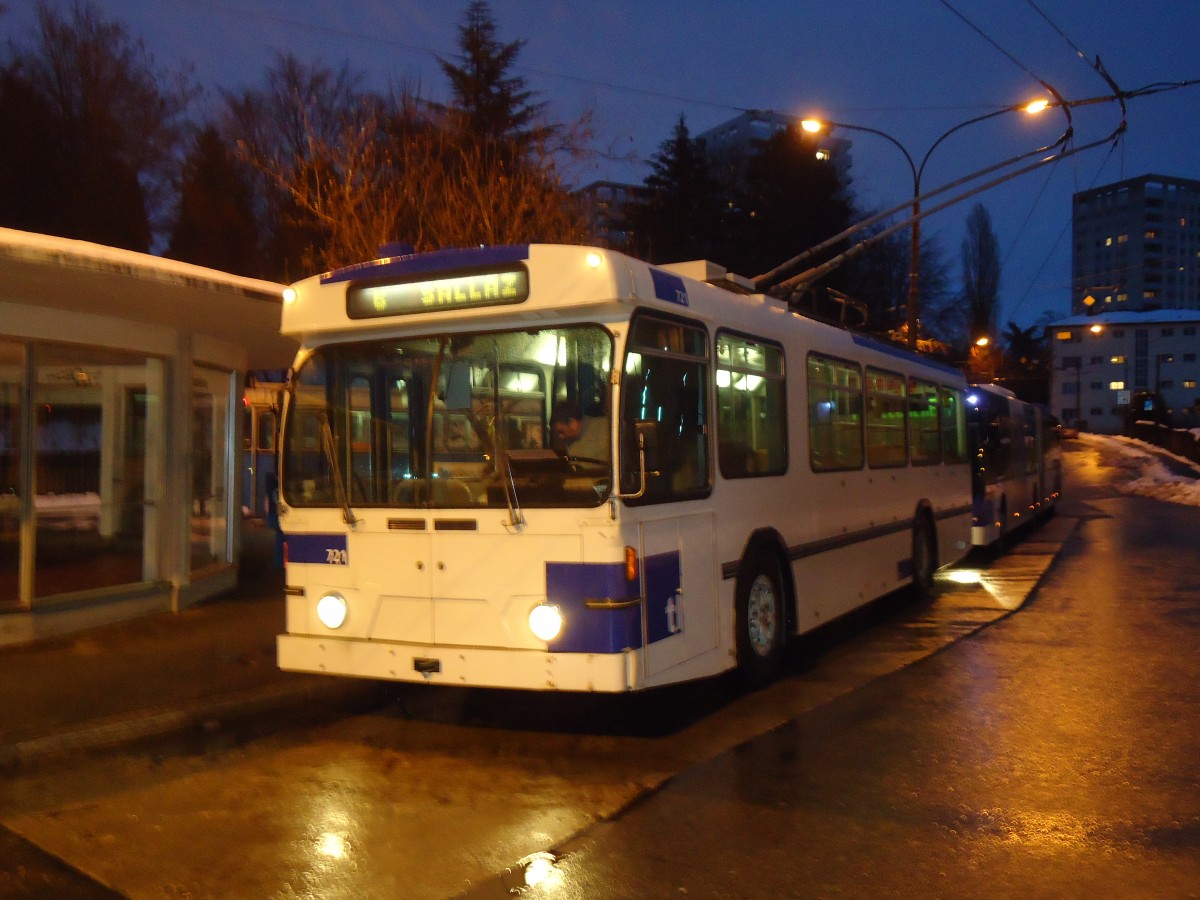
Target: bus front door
pixel 679 619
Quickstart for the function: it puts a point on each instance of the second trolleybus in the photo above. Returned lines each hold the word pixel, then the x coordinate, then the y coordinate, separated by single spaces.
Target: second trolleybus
pixel 559 468
pixel 1016 477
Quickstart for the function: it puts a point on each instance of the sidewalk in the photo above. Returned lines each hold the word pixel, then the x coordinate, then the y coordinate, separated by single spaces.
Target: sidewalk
pixel 208 670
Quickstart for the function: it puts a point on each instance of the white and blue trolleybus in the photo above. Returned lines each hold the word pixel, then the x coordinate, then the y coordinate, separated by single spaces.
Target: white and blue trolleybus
pixel 1017 475
pixel 560 468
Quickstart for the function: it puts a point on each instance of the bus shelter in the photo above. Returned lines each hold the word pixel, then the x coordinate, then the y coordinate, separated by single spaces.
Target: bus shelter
pixel 121 397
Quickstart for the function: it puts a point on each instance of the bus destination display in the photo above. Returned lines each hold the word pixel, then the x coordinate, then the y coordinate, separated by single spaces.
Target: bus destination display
pixel 368 301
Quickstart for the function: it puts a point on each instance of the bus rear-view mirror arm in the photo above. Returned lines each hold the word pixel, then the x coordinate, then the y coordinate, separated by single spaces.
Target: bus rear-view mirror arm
pixel 647 446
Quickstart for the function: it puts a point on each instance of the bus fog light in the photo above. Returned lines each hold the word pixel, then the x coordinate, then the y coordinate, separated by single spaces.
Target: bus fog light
pixel 331 610
pixel 546 622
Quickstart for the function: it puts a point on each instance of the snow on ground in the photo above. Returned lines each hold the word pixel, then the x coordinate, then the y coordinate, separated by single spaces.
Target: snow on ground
pixel 1152 477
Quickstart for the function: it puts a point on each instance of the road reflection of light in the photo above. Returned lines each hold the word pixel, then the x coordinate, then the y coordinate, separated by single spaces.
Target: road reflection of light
pixel 331 831
pixel 541 870
pixel 1003 593
pixel 965 576
pixel 333 845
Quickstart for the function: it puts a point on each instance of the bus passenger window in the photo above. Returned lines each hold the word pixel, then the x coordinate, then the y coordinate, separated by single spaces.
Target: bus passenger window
pixel 924 438
pixel 835 400
pixel 751 408
pixel 954 446
pixel 885 419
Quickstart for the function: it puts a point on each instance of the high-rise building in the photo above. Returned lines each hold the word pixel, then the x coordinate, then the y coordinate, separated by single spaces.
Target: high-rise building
pixel 734 139
pixel 1136 246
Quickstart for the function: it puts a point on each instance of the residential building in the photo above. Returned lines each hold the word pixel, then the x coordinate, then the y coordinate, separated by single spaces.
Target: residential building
pixel 1100 362
pixel 733 140
pixel 604 205
pixel 1136 246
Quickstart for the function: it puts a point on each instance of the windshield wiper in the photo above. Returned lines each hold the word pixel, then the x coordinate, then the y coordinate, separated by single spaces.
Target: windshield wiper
pixel 516 518
pixel 339 489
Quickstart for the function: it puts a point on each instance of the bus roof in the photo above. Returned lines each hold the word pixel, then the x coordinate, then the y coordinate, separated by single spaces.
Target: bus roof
pixel 456 288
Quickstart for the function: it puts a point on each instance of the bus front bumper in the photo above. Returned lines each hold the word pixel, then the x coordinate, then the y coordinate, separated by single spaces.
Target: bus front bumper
pixel 463 666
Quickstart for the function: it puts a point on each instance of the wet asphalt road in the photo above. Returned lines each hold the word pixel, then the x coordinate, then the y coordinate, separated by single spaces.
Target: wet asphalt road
pixel 1053 754
pixel 1050 755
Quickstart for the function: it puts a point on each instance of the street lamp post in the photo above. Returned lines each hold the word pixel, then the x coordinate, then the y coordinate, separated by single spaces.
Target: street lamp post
pixel 912 318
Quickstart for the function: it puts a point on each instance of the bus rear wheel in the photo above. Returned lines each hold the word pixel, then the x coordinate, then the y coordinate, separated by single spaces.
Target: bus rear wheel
pixel 924 555
pixel 760 620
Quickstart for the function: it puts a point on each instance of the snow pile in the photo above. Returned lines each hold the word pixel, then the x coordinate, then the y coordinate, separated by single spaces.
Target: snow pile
pixel 1153 478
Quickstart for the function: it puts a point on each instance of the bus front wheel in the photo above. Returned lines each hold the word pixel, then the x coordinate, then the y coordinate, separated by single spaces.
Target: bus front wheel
pixel 760 619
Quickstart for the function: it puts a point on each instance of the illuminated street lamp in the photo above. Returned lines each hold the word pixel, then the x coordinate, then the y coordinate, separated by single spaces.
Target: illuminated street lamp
pixel 813 126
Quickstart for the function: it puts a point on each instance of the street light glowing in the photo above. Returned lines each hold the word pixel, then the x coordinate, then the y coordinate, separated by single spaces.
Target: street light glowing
pixel 982 341
pixel 812 126
pixel 1096 329
pixel 1037 106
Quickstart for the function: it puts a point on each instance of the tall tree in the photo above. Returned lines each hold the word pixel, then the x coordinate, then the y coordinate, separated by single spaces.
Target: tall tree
pixel 116 120
pixel 879 278
pixel 1026 367
pixel 32 158
pixel 678 212
pixel 981 275
pixel 494 103
pixel 280 128
pixel 216 225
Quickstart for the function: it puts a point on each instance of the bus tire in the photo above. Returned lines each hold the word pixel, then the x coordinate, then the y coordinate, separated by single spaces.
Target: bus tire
pixel 924 555
pixel 760 617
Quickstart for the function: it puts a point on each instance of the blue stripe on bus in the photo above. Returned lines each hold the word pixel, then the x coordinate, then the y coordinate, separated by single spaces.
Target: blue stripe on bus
pixel 326 549
pixel 663 615
pixel 592 630
pixel 435 261
pixel 570 585
pixel 669 287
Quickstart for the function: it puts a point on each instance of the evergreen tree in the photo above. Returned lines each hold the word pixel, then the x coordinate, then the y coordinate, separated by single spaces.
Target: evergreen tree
pixel 981 274
pixel 216 225
pixel 678 213
pixel 495 104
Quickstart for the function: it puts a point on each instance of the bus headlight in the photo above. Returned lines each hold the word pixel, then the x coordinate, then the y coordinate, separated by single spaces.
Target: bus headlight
pixel 546 622
pixel 331 610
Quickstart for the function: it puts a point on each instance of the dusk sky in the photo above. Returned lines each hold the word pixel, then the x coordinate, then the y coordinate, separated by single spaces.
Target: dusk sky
pixel 910 68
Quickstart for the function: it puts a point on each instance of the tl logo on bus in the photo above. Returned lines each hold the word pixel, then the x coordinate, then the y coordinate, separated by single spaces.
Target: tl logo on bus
pixel 674 613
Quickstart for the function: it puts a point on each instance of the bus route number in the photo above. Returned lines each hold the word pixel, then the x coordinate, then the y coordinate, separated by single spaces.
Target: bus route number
pixel 337 556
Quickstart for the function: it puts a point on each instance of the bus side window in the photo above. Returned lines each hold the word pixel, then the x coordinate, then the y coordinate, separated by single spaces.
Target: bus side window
pixel 835 403
pixel 924 439
pixel 751 407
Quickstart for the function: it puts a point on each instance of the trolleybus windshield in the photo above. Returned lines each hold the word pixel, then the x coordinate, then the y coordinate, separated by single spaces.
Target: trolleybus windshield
pixel 451 421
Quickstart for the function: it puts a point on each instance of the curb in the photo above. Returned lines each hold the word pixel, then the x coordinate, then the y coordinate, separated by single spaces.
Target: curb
pixel 237 717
